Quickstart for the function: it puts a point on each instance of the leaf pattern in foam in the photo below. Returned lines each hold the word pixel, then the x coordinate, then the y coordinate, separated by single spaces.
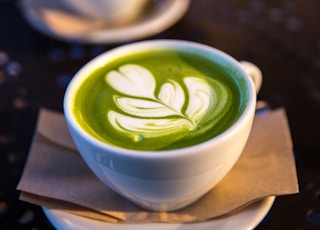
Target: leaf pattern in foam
pixel 147 127
pixel 200 98
pixel 132 80
pixel 172 94
pixel 146 115
pixel 143 107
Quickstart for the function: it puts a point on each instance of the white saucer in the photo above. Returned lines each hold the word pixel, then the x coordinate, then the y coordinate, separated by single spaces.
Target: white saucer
pixel 53 22
pixel 248 218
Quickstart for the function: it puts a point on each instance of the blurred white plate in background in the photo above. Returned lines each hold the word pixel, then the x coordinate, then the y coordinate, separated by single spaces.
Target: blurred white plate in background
pixel 51 19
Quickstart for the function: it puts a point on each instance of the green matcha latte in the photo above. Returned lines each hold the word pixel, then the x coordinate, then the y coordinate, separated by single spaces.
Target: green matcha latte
pixel 159 99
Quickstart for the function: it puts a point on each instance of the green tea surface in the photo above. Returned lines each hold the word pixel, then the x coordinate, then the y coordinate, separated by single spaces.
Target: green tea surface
pixel 159 100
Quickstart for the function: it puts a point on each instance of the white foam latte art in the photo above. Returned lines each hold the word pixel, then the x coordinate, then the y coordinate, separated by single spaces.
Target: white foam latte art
pixel 174 109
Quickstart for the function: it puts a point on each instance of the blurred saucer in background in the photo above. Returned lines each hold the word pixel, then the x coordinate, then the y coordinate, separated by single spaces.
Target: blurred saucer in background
pixel 57 21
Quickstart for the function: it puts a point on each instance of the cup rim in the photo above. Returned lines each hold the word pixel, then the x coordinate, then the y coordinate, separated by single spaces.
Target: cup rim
pixel 100 60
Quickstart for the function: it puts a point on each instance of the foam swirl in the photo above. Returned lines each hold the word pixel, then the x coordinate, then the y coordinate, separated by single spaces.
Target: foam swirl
pixel 176 108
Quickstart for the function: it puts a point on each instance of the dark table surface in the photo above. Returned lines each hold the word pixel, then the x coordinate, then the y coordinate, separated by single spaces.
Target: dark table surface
pixel 281 37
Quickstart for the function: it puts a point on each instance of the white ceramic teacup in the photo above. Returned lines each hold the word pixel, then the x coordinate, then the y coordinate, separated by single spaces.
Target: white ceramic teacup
pixel 112 11
pixel 168 179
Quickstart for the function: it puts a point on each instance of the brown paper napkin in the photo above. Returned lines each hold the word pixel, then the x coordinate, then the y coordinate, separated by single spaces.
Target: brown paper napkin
pixel 55 176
